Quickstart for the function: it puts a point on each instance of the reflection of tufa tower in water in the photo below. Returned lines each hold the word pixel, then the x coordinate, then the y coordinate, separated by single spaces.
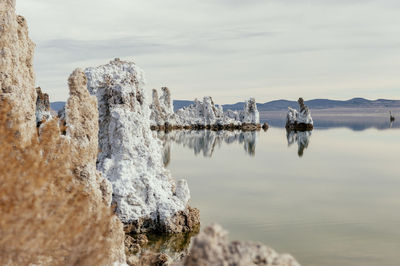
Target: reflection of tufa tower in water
pixel 302 138
pixel 391 116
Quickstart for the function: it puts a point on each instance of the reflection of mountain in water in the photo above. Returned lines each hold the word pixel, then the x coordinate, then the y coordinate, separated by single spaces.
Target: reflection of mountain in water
pixel 205 141
pixel 301 137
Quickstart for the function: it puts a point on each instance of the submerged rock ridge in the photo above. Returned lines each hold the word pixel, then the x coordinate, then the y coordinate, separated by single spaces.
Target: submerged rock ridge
pixel 211 247
pixel 201 115
pixel 17 77
pixel 299 120
pixel 147 198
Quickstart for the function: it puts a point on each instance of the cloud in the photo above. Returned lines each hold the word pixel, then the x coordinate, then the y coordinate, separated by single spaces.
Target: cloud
pixel 228 48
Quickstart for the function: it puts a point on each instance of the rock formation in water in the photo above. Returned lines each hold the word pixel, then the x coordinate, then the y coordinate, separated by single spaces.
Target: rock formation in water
pixel 30 107
pixel 82 127
pixel 299 120
pixel 42 107
pixel 146 196
pixel 201 115
pixel 162 109
pixel 17 78
pixel 211 247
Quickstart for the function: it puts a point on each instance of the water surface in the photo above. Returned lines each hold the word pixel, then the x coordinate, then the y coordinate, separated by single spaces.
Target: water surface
pixel 329 198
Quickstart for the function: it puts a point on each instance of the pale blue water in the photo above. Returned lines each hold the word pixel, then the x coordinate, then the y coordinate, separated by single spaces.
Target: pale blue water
pixel 338 204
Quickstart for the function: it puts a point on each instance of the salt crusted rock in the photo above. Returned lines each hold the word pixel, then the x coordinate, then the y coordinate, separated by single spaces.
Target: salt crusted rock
pixel 81 119
pixel 299 120
pixel 211 247
pixel 146 196
pixel 250 113
pixel 207 113
pixel 200 115
pixel 162 109
pixel 17 78
pixel 42 107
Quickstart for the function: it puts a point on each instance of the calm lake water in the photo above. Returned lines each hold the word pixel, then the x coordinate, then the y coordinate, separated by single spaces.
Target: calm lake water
pixel 331 197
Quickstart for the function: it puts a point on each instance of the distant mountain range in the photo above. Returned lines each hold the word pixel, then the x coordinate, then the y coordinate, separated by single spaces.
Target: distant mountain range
pixel 284 104
pixel 56 106
pixel 312 104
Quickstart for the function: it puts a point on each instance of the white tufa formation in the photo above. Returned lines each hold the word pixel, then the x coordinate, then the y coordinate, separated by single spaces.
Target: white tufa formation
pixel 145 193
pixel 303 116
pixel 249 114
pixel 207 113
pixel 162 108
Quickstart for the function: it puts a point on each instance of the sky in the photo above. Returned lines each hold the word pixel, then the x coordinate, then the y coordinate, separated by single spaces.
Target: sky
pixel 228 49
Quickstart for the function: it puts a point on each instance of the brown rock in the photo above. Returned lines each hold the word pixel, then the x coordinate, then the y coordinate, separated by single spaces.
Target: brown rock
pixel 211 247
pixel 17 78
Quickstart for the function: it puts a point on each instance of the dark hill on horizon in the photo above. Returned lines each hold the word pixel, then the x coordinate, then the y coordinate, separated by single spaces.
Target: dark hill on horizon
pixel 278 105
pixel 284 104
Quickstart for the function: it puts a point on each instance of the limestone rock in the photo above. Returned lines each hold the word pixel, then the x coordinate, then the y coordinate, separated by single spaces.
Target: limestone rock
pixel 145 194
pixel 211 247
pixel 250 114
pixel 162 109
pixel 299 120
pixel 42 107
pixel 203 113
pixel 206 113
pixel 81 119
pixel 17 78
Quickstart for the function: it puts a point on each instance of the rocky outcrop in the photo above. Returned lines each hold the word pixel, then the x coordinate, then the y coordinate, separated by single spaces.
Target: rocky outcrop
pixel 211 247
pixel 146 196
pixel 81 119
pixel 299 120
pixel 82 127
pixel 70 158
pixel 201 115
pixel 17 78
pixel 42 107
pixel 162 109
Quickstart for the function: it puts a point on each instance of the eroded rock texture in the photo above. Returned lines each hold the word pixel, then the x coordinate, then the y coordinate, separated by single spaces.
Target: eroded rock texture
pixel 146 196
pixel 211 247
pixel 201 114
pixel 162 109
pixel 42 107
pixel 299 120
pixel 16 72
pixel 81 119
